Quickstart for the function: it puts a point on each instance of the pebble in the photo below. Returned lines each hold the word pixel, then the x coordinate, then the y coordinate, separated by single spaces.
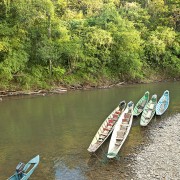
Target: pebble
pixel 161 158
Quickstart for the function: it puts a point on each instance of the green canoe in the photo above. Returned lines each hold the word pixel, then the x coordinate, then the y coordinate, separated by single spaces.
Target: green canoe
pixel 149 111
pixel 141 104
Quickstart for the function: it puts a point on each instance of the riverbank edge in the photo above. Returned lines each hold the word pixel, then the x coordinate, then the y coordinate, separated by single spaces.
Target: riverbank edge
pixel 157 157
pixel 65 88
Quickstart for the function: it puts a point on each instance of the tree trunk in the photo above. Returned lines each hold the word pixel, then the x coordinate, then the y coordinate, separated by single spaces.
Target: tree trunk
pixel 49 37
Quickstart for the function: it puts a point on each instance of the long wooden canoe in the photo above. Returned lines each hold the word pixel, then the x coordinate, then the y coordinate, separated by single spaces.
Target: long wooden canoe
pixel 121 131
pixel 163 103
pixel 23 172
pixel 149 111
pixel 139 107
pixel 106 128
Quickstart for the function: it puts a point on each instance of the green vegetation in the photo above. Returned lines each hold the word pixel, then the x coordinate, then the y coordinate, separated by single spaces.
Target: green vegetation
pixel 67 42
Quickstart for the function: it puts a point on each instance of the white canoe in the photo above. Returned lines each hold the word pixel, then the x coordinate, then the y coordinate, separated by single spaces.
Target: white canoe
pixel 121 131
pixel 106 128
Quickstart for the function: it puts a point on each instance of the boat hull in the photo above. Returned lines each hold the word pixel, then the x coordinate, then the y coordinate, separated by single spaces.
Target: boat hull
pixel 149 111
pixel 25 175
pixel 121 131
pixel 163 103
pixel 106 128
pixel 139 107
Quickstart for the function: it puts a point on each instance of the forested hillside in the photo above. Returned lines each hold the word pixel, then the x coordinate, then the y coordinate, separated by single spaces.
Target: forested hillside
pixel 65 42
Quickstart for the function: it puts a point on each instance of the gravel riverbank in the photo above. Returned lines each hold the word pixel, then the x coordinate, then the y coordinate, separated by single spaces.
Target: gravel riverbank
pixel 160 159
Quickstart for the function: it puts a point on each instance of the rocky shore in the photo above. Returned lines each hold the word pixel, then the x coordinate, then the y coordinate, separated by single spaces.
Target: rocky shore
pixel 160 159
pixel 59 90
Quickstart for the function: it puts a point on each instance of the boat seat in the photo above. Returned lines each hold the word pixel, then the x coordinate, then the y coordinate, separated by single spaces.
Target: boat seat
pixel 162 107
pixel 125 120
pixel 164 101
pixel 110 121
pixel 105 133
pixel 149 113
pixel 114 119
pixel 120 135
pixel 107 128
pixel 115 116
pixel 123 130
pixel 127 115
pixel 109 124
pixel 126 124
pixel 140 106
pixel 102 136
pixel 151 106
pixel 123 127
pixel 100 140
pixel 118 142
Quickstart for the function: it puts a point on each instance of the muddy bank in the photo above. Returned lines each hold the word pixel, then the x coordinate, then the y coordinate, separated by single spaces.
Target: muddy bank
pixel 65 88
pixel 54 90
pixel 160 159
pixel 41 92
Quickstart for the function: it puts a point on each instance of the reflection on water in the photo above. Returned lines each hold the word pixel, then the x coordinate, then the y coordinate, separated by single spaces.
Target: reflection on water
pixel 60 128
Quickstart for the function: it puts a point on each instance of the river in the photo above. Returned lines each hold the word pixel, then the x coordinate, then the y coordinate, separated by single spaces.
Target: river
pixel 60 128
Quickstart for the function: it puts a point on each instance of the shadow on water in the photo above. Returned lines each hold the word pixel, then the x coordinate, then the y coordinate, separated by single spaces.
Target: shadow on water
pixel 60 128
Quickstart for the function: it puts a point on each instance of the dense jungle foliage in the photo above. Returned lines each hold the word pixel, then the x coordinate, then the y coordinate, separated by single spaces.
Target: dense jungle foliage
pixel 66 42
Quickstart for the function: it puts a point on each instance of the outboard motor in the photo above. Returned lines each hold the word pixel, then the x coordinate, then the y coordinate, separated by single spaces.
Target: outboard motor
pixel 19 169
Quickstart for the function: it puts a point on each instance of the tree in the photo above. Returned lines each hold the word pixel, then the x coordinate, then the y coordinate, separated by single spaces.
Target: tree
pixel 126 48
pixel 162 49
pixel 139 16
pixel 158 11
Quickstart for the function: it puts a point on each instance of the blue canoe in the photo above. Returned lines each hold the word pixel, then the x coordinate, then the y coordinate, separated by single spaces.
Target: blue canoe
pixel 23 172
pixel 163 103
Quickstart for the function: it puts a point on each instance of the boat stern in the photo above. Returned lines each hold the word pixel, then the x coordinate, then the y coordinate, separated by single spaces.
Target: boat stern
pixel 111 155
pixel 143 124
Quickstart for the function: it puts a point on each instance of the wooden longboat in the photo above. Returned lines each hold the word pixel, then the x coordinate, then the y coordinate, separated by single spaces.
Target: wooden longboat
pixel 106 128
pixel 121 131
